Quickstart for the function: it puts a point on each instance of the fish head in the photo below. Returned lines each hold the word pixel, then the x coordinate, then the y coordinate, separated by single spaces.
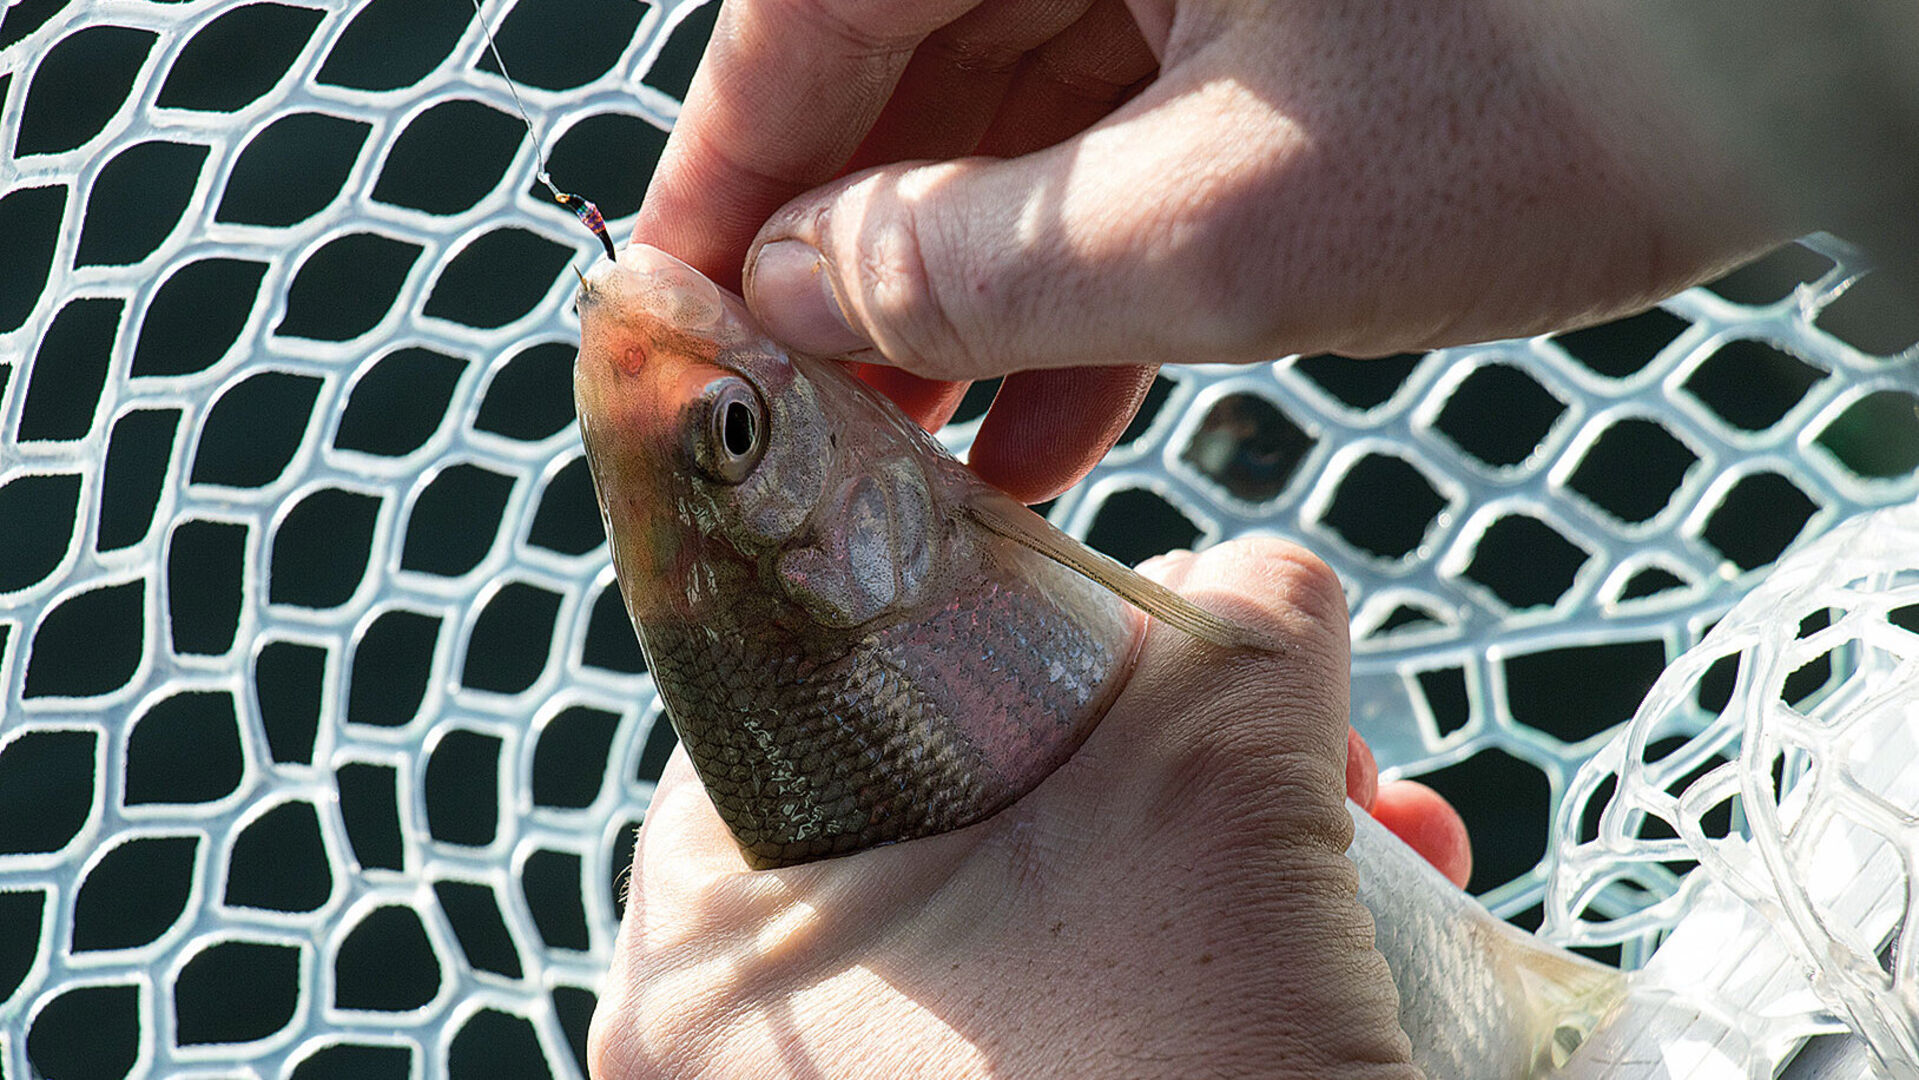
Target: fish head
pixel 857 639
pixel 706 442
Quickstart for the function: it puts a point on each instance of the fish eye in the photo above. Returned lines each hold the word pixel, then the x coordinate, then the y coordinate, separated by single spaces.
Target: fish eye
pixel 732 437
pixel 739 430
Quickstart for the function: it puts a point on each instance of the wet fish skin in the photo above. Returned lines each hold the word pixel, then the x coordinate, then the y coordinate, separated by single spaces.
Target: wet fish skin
pixel 849 657
pixel 1479 998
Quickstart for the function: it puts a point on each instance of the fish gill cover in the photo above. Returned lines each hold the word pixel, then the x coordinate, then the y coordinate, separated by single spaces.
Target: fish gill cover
pixel 322 734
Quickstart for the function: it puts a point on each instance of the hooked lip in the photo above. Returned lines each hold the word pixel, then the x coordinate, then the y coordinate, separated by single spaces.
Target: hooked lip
pixel 596 283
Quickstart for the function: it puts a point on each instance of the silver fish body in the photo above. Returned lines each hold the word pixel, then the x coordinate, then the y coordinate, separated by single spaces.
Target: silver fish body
pixel 1479 998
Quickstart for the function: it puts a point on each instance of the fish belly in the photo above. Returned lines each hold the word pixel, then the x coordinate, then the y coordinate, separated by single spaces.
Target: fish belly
pixel 1480 999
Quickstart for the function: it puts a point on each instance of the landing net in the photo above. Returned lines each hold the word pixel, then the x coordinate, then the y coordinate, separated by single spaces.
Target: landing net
pixel 325 738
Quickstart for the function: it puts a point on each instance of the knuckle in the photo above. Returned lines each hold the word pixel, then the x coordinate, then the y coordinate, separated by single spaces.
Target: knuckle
pixel 607 1042
pixel 1265 744
pixel 1221 286
pixel 632 1040
pixel 1288 586
pixel 907 293
pixel 652 1021
pixel 1308 586
pixel 844 22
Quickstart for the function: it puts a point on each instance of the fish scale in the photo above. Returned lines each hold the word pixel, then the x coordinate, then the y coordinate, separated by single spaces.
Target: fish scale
pixel 855 728
pixel 767 747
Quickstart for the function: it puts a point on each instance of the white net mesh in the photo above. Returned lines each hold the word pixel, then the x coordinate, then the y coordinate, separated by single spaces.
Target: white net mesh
pixel 1530 530
pixel 324 734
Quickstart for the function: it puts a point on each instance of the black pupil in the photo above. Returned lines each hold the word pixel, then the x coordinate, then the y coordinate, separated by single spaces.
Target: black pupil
pixel 736 429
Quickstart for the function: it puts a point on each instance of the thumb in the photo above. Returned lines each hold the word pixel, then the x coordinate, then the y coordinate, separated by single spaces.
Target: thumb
pixel 1130 244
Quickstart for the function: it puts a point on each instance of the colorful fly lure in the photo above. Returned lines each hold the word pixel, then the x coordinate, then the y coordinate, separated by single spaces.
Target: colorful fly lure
pixel 588 214
pixel 583 209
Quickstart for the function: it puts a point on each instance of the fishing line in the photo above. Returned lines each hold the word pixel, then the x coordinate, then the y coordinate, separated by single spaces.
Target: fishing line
pixel 582 208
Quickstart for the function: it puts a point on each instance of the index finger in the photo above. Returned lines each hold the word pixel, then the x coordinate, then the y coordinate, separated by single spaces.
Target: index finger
pixel 785 93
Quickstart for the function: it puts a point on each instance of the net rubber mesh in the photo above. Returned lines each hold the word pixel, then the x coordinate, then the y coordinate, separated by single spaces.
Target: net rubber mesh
pixel 1778 756
pixel 325 737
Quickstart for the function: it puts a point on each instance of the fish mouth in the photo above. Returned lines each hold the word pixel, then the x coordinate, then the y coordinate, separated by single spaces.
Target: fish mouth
pixel 654 295
pixel 595 284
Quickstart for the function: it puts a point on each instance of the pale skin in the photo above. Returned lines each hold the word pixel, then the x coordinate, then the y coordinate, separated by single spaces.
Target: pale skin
pixel 1218 180
pixel 1173 901
pixel 1073 192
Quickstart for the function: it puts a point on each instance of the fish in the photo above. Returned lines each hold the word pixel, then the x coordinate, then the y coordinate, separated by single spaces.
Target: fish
pixel 860 642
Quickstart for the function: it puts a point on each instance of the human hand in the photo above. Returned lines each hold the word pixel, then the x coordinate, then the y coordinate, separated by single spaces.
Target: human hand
pixel 1174 899
pixel 1184 180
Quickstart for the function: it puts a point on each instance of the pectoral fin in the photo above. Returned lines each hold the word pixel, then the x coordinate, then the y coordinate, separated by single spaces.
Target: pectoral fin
pixel 1004 516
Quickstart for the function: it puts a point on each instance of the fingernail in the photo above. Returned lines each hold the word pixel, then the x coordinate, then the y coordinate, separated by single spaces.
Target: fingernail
pixel 792 294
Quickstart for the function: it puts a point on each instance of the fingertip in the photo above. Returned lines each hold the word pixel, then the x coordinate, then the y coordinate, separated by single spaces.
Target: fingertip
pixel 1429 825
pixel 1362 772
pixel 1047 429
pixel 930 402
pixel 1293 585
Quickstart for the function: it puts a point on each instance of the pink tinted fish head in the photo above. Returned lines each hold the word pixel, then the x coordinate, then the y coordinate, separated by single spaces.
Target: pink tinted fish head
pixel 678 395
pixel 858 641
